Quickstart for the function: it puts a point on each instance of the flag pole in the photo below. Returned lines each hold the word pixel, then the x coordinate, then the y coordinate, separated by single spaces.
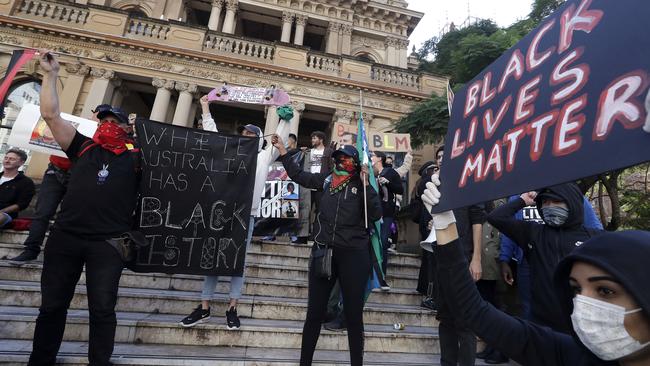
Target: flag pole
pixel 363 175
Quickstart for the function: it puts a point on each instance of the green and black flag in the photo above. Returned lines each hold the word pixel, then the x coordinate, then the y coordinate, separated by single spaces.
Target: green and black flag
pixel 18 59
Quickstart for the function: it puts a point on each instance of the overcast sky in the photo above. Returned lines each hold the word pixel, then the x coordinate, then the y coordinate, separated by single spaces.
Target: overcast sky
pixel 437 13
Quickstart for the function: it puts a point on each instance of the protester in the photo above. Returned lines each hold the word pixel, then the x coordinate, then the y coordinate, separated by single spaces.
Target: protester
pixel 511 252
pixel 402 170
pixel 292 142
pixel 544 245
pixel 457 342
pixel 16 189
pixel 97 206
pixel 51 192
pixel 341 226
pixel 602 288
pixel 390 185
pixel 426 276
pixel 265 158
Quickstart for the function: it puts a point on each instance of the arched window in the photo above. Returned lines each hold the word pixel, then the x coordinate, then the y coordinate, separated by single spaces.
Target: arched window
pixel 364 56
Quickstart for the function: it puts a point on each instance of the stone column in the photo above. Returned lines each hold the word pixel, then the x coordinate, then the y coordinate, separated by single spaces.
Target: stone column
pixel 215 15
pixel 72 87
pixel 332 38
pixel 287 23
pixel 403 53
pixel 101 90
pixel 391 51
pixel 163 96
pixel 229 22
pixel 185 98
pixel 272 121
pixel 294 124
pixel 343 116
pixel 345 46
pixel 118 96
pixel 301 22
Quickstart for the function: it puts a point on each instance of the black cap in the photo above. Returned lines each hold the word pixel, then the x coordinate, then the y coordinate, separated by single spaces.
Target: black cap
pixel 250 128
pixel 426 166
pixel 347 150
pixel 549 195
pixel 116 112
pixel 101 107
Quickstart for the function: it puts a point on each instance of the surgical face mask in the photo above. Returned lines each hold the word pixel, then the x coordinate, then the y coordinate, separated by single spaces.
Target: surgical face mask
pixel 600 327
pixel 555 215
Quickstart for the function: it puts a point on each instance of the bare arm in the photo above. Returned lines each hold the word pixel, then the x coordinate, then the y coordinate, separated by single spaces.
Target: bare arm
pixel 11 209
pixel 62 130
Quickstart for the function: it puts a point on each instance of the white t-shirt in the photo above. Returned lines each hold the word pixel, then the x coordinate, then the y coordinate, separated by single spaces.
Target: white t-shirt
pixel 316 159
pixel 4 179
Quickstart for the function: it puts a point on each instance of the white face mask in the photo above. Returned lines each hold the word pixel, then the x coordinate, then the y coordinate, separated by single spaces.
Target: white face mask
pixel 600 327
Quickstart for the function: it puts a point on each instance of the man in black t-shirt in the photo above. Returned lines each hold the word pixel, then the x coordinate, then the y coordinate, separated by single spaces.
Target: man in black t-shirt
pixel 97 206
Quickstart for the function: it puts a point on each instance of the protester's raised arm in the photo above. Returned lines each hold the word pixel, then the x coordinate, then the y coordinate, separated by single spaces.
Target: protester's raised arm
pixel 62 130
pixel 206 117
pixel 295 172
pixel 503 219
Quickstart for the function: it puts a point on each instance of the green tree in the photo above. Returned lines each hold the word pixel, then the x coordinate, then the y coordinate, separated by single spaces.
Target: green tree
pixel 427 123
pixel 544 8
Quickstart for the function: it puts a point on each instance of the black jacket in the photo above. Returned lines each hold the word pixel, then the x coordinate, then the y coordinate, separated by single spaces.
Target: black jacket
pixel 340 218
pixel 525 342
pixel 545 246
pixel 389 190
pixel 18 191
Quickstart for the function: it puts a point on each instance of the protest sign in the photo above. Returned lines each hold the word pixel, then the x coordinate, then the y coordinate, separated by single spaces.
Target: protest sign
pixel 195 199
pixel 285 205
pixel 31 132
pixel 345 134
pixel 564 103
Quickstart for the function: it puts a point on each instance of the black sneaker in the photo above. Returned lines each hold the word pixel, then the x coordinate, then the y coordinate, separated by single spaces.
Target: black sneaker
pixel 336 325
pixel 25 257
pixel 496 358
pixel 198 316
pixel 429 304
pixel 232 320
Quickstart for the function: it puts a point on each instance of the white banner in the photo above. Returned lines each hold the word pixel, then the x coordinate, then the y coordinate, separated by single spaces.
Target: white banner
pixel 31 132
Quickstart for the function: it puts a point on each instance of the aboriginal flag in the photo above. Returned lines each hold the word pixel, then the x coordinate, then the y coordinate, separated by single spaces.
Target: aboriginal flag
pixel 18 59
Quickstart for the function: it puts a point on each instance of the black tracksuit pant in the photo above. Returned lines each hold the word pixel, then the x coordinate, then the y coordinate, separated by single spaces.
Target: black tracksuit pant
pixel 65 256
pixel 352 268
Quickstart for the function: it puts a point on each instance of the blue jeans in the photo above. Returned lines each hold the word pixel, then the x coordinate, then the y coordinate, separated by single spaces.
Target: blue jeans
pixel 236 283
pixel 385 234
pixel 51 192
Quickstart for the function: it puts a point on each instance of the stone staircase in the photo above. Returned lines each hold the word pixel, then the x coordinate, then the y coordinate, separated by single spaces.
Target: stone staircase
pixel 272 311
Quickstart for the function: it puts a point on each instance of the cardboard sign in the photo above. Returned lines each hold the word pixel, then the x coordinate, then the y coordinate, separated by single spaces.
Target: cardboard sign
pixel 569 101
pixel 31 132
pixel 346 134
pixel 195 199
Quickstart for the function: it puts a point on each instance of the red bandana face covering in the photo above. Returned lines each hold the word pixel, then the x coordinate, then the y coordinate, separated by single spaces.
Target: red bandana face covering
pixel 112 137
pixel 344 170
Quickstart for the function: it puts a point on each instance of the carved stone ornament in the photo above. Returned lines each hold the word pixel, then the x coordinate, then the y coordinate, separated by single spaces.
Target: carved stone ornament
pixel 162 83
pixel 217 3
pixel 100 73
pixel 186 87
pixel 391 42
pixel 10 39
pixel 232 5
pixel 301 19
pixel 77 69
pixel 298 106
pixel 287 17
pixel 346 29
pixel 333 27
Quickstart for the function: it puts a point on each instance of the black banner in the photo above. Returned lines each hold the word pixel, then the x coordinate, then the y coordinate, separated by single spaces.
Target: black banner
pixel 569 101
pixel 195 199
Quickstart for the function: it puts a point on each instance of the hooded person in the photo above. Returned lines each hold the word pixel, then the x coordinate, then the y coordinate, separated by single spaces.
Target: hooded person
pixel 342 227
pixel 601 286
pixel 544 245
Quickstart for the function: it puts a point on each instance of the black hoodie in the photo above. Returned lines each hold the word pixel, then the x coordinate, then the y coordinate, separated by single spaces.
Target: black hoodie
pixel 624 255
pixel 545 246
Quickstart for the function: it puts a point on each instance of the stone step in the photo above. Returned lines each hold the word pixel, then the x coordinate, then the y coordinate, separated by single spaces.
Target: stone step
pixel 252 286
pixel 142 328
pixel 280 246
pixel 254 256
pixel 16 352
pixel 181 303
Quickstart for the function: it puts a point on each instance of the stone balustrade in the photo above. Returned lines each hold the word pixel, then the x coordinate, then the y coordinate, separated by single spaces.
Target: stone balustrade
pixel 147 29
pixel 396 77
pixel 52 11
pixel 325 63
pixel 104 20
pixel 228 45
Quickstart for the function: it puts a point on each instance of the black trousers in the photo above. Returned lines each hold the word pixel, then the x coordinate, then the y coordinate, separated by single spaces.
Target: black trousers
pixel 352 269
pixel 65 257
pixel 457 342
pixel 51 192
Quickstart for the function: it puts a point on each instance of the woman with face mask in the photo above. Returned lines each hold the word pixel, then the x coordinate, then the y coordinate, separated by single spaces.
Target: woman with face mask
pixel 340 225
pixel 545 244
pixel 603 291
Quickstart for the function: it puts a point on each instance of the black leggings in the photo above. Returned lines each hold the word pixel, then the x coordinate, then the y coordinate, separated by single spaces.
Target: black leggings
pixel 352 268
